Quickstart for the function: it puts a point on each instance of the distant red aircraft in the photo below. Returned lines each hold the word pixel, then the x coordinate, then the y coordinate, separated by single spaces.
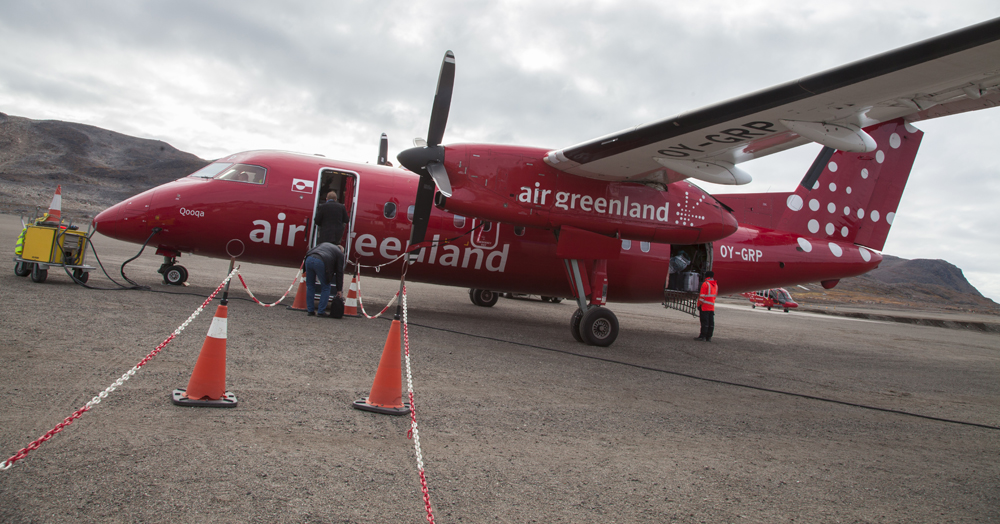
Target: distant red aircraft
pixel 616 218
pixel 769 298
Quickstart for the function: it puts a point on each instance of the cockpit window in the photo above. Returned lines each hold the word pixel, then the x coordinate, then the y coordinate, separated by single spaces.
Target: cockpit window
pixel 211 170
pixel 243 173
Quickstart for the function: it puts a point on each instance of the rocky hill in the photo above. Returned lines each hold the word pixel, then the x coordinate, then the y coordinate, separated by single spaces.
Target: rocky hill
pixel 906 284
pixel 96 167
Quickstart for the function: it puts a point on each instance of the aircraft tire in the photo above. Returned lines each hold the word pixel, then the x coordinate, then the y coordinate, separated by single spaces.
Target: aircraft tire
pixel 175 275
pixel 22 269
pixel 574 325
pixel 599 327
pixel 786 310
pixel 483 297
pixel 38 275
pixel 769 308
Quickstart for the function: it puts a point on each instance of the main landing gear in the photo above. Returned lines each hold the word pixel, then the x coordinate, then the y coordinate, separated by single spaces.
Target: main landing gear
pixel 173 273
pixel 598 326
pixel 591 323
pixel 483 297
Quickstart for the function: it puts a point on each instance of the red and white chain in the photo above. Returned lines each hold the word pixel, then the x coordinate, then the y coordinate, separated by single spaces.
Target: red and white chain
pixel 115 385
pixel 275 303
pixel 361 305
pixel 414 433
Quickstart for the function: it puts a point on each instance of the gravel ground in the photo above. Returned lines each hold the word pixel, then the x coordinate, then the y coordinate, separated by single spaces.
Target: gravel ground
pixel 782 418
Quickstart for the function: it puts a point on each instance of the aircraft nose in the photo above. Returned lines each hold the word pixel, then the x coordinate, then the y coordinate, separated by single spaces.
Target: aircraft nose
pixel 126 220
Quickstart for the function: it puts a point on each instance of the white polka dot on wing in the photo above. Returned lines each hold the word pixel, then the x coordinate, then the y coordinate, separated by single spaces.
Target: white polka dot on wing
pixel 805 245
pixel 813 226
pixel 836 250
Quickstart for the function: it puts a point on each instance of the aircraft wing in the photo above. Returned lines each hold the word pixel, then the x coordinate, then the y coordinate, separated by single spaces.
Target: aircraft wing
pixel 948 74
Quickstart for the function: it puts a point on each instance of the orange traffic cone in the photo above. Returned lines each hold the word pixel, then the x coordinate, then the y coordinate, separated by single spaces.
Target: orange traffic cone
pixel 386 396
pixel 207 387
pixel 351 304
pixel 55 208
pixel 299 304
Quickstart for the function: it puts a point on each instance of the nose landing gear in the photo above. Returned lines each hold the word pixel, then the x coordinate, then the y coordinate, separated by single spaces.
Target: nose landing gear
pixel 173 274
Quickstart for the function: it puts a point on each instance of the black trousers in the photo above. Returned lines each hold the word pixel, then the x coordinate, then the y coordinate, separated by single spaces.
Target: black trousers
pixel 707 324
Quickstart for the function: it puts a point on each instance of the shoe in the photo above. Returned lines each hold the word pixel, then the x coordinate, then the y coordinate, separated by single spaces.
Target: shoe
pixel 323 315
pixel 311 314
pixel 708 340
pixel 701 339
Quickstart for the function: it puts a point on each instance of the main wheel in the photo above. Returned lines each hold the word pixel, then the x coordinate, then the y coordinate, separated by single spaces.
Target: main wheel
pixel 175 275
pixel 483 297
pixel 22 269
pixel 574 325
pixel 599 327
pixel 38 274
pixel 81 275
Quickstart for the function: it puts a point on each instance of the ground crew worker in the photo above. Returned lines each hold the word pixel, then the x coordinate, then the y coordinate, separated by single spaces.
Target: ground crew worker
pixel 326 262
pixel 706 306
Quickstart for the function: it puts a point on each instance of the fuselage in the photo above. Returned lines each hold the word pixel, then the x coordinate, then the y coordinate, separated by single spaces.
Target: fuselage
pixel 269 221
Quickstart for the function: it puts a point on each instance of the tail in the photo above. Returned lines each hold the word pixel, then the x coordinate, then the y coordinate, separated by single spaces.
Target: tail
pixel 847 197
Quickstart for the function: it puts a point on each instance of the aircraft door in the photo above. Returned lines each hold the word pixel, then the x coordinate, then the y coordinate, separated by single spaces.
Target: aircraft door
pixel 345 183
pixel 688 264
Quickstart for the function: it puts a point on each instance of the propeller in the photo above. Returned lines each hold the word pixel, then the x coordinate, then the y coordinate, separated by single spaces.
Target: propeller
pixel 428 161
pixel 383 151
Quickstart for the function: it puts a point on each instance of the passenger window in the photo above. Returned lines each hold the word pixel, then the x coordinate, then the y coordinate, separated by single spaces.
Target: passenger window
pixel 626 245
pixel 487 226
pixel 243 173
pixel 519 231
pixel 409 213
pixel 459 221
pixel 644 246
pixel 389 211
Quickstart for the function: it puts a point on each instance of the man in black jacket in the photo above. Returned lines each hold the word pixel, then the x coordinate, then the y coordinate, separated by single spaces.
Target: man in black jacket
pixel 330 218
pixel 325 261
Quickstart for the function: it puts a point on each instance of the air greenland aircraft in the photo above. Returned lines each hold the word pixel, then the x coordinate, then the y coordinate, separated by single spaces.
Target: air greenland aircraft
pixel 613 219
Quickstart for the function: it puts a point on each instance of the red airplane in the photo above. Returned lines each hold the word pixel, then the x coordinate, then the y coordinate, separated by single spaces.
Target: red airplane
pixel 774 297
pixel 616 218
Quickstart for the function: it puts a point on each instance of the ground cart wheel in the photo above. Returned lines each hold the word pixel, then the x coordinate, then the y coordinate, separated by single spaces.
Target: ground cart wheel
pixel 38 274
pixel 81 275
pixel 22 269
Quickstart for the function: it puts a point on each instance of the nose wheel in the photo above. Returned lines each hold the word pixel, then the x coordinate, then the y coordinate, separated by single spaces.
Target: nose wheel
pixel 173 273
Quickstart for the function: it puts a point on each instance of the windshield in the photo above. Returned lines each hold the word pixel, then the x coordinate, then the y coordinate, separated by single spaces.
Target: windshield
pixel 783 296
pixel 234 172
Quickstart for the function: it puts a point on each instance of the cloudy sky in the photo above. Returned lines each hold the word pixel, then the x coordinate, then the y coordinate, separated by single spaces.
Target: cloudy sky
pixel 213 78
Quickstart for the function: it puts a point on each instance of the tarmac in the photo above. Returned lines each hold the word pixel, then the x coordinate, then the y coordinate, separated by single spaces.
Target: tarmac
pixel 783 417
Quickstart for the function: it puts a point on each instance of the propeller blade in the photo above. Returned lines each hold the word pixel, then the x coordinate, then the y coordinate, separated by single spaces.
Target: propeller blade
pixel 442 100
pixel 383 150
pixel 440 176
pixel 419 142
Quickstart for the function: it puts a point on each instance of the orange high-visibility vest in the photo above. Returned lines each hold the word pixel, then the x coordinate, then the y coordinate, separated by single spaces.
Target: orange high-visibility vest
pixel 706 300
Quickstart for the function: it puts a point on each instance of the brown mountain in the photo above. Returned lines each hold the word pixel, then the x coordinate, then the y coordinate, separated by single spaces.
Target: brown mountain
pixel 902 283
pixel 96 167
